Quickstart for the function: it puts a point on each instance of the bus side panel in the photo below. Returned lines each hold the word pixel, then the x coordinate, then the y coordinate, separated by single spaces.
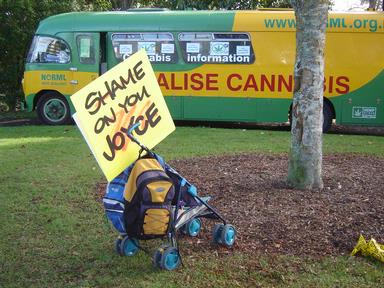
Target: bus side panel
pixel 175 106
pixel 365 105
pixel 354 76
pixel 219 108
pixel 49 77
pixel 235 109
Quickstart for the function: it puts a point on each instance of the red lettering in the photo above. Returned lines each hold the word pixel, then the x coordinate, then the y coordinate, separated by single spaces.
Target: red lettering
pixel 210 80
pixel 281 81
pixel 196 78
pixel 264 80
pixel 185 81
pixel 342 81
pixel 229 82
pixel 173 83
pixel 162 80
pixel 251 83
pixel 324 84
pixel 330 84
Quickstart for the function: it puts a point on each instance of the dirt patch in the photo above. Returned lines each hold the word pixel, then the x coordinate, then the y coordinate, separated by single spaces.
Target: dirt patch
pixel 250 191
pixel 11 122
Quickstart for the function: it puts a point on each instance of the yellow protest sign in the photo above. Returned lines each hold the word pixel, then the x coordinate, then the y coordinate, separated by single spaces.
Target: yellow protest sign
pixel 105 108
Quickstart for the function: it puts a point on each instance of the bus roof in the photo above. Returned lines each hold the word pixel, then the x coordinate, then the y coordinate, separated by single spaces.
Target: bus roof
pixel 233 20
pixel 137 21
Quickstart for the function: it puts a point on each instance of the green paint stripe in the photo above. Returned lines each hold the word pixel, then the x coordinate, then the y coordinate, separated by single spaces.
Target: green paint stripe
pixel 228 109
pixel 143 21
pixel 29 102
pixel 369 95
pixel 57 67
pixel 171 21
pixel 372 89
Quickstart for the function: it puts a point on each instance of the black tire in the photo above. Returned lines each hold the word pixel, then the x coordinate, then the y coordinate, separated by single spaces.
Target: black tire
pixel 327 117
pixel 53 109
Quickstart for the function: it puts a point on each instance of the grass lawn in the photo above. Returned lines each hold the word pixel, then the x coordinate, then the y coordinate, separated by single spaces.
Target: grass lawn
pixel 54 233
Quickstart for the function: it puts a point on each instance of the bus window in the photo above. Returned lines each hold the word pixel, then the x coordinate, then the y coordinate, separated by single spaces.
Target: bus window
pixel 85 48
pixel 217 48
pixel 48 50
pixel 160 47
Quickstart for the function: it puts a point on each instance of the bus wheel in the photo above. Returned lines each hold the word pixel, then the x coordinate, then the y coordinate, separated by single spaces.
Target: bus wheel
pixel 53 109
pixel 327 117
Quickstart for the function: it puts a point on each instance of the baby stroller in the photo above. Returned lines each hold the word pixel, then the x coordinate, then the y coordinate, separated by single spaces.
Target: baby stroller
pixel 150 199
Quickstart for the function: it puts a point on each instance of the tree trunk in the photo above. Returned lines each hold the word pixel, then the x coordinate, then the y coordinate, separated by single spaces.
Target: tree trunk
pixel 127 4
pixel 305 159
pixel 372 4
pixel 379 5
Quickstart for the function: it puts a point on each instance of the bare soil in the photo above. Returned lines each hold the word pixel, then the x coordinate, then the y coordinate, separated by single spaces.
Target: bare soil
pixel 251 193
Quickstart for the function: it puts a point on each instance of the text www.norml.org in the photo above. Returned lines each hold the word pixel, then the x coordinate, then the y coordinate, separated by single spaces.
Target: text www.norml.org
pixel 371 24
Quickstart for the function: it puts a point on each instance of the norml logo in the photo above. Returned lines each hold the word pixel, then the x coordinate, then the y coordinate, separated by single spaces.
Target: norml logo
pixel 55 77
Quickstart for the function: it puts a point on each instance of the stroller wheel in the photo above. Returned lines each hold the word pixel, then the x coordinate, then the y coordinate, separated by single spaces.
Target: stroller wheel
pixel 170 259
pixel 216 233
pixel 128 246
pixel 193 227
pixel 156 259
pixel 117 246
pixel 228 235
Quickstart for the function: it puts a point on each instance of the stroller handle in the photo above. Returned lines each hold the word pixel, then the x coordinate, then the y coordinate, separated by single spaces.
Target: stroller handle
pixel 133 138
pixel 133 127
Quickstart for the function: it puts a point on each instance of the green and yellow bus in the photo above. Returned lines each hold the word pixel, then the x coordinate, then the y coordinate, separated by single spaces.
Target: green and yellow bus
pixel 211 65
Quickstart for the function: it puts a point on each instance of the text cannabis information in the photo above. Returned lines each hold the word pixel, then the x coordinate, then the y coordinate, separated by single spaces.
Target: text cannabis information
pixel 218 58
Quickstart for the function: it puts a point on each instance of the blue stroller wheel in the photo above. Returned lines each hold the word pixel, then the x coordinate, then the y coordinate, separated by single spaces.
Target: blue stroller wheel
pixel 170 259
pixel 228 235
pixel 216 233
pixel 128 246
pixel 156 258
pixel 193 227
pixel 117 246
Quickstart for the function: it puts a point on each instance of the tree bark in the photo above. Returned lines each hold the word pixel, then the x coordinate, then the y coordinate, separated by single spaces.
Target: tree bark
pixel 126 4
pixel 372 4
pixel 305 159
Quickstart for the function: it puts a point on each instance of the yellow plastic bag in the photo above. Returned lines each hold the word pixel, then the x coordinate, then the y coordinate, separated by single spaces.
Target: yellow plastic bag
pixel 370 248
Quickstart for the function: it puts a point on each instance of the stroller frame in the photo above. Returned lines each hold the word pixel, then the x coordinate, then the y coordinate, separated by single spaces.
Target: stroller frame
pixel 184 218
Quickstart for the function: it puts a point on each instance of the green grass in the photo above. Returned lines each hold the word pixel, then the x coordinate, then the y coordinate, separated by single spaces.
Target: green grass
pixel 53 232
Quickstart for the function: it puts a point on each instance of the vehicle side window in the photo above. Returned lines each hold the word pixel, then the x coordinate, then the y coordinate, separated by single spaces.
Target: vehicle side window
pixel 85 48
pixel 216 47
pixel 49 50
pixel 160 47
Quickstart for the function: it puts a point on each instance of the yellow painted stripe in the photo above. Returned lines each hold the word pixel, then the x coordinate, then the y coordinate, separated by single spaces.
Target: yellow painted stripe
pixel 37 80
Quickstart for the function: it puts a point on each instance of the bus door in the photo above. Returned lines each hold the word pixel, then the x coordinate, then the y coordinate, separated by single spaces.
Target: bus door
pixel 111 52
pixel 86 65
